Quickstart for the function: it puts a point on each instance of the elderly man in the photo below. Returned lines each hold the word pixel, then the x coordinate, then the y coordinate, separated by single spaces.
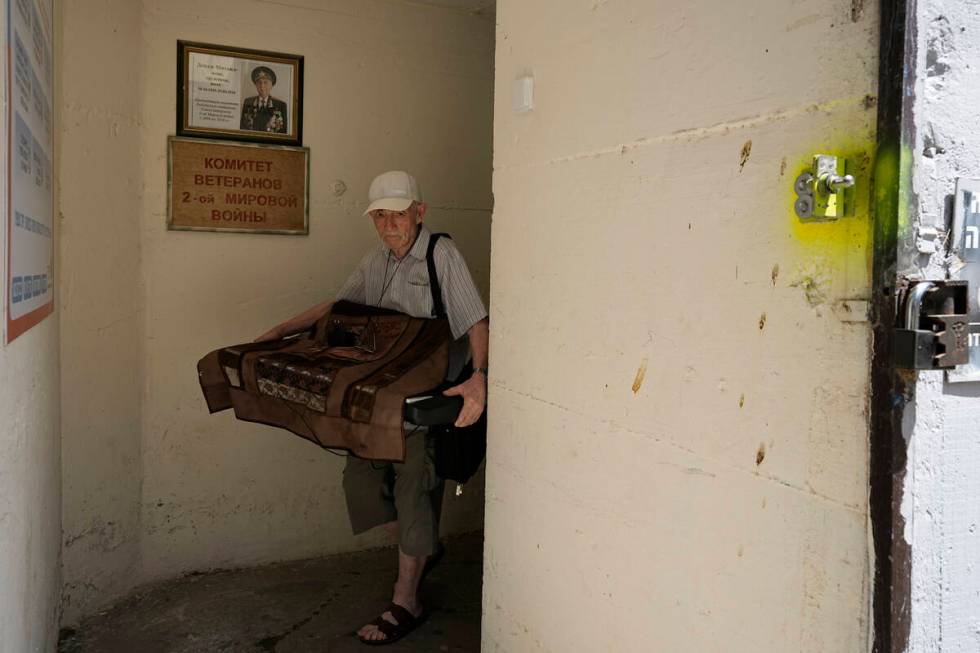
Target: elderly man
pixel 399 496
pixel 262 112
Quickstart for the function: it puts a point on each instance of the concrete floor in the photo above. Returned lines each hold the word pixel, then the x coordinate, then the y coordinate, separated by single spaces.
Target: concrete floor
pixel 311 605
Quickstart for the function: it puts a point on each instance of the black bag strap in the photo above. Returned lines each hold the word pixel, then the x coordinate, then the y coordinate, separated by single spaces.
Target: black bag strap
pixel 438 308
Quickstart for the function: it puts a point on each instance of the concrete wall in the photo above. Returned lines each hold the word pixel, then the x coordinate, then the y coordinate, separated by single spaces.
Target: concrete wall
pixel 679 369
pixel 30 485
pixel 30 482
pixel 942 494
pixel 100 304
pixel 388 85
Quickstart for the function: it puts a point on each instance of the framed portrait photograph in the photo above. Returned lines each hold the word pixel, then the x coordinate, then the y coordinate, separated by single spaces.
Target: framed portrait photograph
pixel 239 94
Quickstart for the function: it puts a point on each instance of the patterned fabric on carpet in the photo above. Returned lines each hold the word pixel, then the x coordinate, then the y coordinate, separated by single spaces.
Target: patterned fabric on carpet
pixel 342 385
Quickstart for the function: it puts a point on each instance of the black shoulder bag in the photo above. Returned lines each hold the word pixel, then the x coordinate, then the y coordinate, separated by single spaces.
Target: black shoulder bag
pixel 459 451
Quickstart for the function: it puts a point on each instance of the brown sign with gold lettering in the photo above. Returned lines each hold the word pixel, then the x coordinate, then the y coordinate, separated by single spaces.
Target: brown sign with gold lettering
pixel 221 186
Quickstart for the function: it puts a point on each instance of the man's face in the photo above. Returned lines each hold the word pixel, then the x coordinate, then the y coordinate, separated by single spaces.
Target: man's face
pixel 264 86
pixel 398 229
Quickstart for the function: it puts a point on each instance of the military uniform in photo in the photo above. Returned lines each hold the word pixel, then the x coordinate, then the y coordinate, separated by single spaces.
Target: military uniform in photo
pixel 264 114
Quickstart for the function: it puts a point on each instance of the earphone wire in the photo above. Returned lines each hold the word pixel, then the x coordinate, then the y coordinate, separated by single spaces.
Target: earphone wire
pixel 386 282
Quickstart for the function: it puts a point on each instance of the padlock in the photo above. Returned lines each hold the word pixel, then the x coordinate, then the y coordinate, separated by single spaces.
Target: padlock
pixel 915 347
pixel 945 343
pixel 953 338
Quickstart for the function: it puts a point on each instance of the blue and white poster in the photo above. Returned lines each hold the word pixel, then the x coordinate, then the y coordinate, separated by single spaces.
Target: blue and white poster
pixel 29 252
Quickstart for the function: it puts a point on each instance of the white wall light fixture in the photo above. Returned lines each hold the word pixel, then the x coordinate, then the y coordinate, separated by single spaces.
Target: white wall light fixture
pixel 522 99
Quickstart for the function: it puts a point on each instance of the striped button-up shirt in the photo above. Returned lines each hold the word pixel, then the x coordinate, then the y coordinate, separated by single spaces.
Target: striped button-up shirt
pixel 382 280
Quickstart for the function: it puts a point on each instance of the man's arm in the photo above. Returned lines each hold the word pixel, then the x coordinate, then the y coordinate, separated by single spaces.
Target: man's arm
pixel 474 389
pixel 296 324
pixel 352 290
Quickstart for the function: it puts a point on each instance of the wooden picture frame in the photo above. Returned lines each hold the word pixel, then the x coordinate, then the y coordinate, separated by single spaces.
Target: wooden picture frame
pixel 239 94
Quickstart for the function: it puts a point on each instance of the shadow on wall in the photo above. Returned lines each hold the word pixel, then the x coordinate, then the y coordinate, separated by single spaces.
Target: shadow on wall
pixel 967 390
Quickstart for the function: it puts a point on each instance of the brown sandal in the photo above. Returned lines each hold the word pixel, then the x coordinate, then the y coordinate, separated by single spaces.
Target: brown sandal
pixel 394 632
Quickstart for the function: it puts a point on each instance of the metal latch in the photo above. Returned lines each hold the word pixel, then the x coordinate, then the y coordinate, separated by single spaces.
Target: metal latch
pixel 936 333
pixel 823 193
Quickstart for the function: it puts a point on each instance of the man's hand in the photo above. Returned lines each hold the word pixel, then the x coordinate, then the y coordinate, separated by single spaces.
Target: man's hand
pixel 275 333
pixel 297 324
pixel 474 394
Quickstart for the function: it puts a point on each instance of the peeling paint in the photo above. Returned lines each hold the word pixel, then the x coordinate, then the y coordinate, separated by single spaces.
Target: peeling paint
pixel 640 373
pixel 803 22
pixel 939 44
pixel 857 10
pixel 814 281
pixel 697 471
pixel 744 155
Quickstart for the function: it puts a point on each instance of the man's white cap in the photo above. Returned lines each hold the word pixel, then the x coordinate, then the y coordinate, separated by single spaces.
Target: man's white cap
pixel 394 190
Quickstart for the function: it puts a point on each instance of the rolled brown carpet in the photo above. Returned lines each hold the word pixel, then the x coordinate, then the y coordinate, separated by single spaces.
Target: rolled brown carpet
pixel 342 385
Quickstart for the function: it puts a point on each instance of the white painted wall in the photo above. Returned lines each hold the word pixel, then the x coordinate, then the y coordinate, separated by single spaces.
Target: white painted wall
pixel 643 222
pixel 100 308
pixel 154 485
pixel 942 497
pixel 30 483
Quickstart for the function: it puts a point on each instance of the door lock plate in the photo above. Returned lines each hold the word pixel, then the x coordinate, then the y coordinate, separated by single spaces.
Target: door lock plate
pixel 825 192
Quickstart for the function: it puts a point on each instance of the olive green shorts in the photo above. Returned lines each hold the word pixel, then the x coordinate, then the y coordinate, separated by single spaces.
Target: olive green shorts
pixel 409 493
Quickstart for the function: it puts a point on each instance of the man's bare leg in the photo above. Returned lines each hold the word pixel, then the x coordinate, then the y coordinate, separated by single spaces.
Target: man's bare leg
pixel 406 590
